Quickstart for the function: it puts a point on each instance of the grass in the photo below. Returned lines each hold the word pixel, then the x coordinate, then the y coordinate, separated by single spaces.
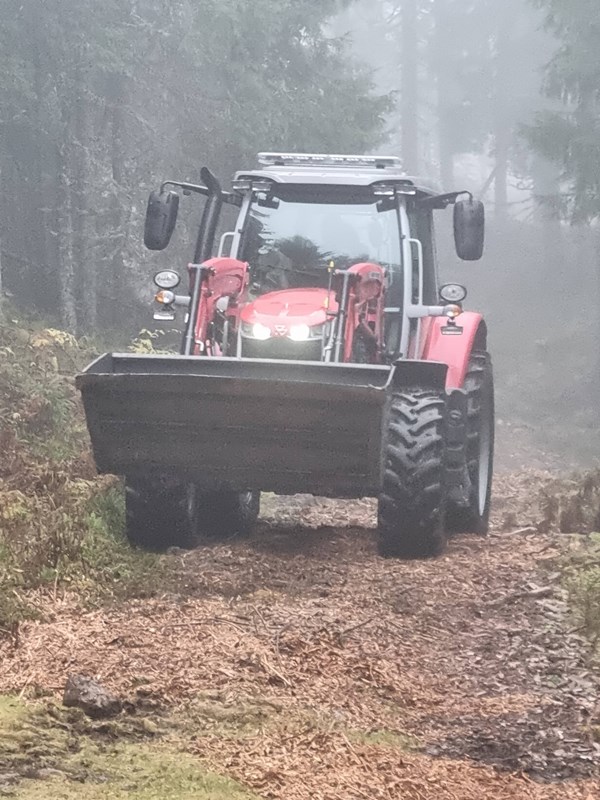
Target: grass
pixel 228 720
pixel 57 753
pixel 383 738
pixel 582 582
pixel 241 719
pixel 61 527
pixel 72 539
pixel 572 505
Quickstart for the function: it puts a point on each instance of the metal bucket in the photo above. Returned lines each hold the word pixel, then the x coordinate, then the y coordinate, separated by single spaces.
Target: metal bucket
pixel 281 426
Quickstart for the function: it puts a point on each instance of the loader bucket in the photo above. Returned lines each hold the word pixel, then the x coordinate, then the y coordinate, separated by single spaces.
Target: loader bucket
pixel 282 426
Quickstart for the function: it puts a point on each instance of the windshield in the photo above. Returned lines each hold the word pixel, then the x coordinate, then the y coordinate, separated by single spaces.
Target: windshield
pixel 291 245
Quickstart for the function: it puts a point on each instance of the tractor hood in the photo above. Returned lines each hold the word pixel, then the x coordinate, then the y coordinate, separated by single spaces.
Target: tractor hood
pixel 280 311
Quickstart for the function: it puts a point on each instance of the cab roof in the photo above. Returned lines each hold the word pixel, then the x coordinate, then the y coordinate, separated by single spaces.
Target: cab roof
pixel 305 169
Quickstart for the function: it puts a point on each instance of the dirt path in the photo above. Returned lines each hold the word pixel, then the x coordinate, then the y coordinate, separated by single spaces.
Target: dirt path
pixel 307 667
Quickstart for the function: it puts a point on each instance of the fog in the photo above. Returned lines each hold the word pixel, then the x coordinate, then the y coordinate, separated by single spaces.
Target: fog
pixel 100 102
pixel 470 80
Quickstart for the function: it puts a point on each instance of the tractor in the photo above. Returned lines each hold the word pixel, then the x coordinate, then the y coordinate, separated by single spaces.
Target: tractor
pixel 319 355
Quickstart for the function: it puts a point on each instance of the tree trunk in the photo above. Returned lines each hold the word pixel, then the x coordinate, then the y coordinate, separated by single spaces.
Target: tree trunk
pixel 1 290
pixel 445 91
pixel 1 286
pixel 81 191
pixel 503 131
pixel 118 235
pixel 65 235
pixel 596 295
pixel 43 164
pixel 502 149
pixel 546 215
pixel 409 110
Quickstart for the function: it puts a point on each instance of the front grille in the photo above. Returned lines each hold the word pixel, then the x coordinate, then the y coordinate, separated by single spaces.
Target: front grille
pixel 282 349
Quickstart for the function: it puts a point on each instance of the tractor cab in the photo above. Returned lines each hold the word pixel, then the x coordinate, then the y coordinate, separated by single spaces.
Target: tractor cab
pixel 340 256
pixel 306 220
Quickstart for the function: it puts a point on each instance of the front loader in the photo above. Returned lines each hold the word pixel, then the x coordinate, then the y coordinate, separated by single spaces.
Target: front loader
pixel 319 355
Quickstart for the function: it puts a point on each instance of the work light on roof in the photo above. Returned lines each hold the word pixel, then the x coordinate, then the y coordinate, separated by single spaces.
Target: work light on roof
pixel 245 184
pixel 323 160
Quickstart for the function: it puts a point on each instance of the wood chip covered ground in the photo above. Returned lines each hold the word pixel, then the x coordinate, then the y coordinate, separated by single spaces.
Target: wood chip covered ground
pixel 308 667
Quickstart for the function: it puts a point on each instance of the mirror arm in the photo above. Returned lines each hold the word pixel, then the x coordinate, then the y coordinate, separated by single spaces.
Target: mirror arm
pixel 187 187
pixel 441 201
pixel 228 197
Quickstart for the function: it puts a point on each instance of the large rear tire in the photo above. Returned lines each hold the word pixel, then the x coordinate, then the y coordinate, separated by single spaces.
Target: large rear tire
pixel 227 515
pixel 412 503
pixel 161 515
pixel 479 386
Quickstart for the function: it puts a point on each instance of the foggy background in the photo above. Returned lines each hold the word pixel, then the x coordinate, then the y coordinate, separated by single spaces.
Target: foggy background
pixel 100 102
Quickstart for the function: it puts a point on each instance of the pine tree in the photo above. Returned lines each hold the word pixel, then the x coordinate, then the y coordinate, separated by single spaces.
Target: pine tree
pixel 100 100
pixel 570 136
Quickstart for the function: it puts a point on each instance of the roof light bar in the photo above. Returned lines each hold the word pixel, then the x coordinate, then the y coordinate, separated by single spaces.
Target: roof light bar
pixel 246 184
pixel 391 190
pixel 324 160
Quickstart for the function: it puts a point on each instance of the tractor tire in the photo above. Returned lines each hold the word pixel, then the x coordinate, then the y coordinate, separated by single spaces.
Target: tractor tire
pixel 159 516
pixel 479 386
pixel 412 504
pixel 227 515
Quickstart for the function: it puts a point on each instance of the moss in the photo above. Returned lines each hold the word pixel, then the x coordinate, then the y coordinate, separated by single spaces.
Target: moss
pixel 233 719
pixel 54 752
pixel 582 582
pixel 60 753
pixel 132 772
pixel 26 743
pixel 394 739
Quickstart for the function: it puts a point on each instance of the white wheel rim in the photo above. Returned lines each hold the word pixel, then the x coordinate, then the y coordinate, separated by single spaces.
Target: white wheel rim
pixel 191 503
pixel 485 445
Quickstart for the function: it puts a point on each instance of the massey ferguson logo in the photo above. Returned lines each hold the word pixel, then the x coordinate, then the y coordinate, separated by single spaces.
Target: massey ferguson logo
pixel 280 330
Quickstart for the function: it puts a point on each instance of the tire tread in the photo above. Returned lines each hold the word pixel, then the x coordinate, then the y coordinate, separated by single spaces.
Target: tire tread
pixel 411 505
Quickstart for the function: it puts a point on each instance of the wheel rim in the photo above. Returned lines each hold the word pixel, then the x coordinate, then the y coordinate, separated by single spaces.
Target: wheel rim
pixel 248 500
pixel 485 451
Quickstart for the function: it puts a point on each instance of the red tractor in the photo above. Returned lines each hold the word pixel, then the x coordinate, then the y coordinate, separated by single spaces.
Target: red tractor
pixel 319 356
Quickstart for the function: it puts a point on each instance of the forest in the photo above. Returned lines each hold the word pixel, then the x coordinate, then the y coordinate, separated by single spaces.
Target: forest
pixel 500 97
pixel 295 663
pixel 100 103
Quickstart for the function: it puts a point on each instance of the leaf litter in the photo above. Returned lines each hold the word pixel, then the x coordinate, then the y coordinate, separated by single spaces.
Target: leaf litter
pixel 307 667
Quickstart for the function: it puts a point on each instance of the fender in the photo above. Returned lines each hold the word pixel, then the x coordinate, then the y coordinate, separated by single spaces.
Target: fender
pixel 454 351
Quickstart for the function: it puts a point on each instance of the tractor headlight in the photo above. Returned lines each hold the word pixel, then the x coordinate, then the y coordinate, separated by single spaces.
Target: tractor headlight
pixel 261 332
pixel 300 333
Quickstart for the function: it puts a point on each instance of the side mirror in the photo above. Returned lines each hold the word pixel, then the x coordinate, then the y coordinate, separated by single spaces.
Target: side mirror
pixel 161 216
pixel 469 229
